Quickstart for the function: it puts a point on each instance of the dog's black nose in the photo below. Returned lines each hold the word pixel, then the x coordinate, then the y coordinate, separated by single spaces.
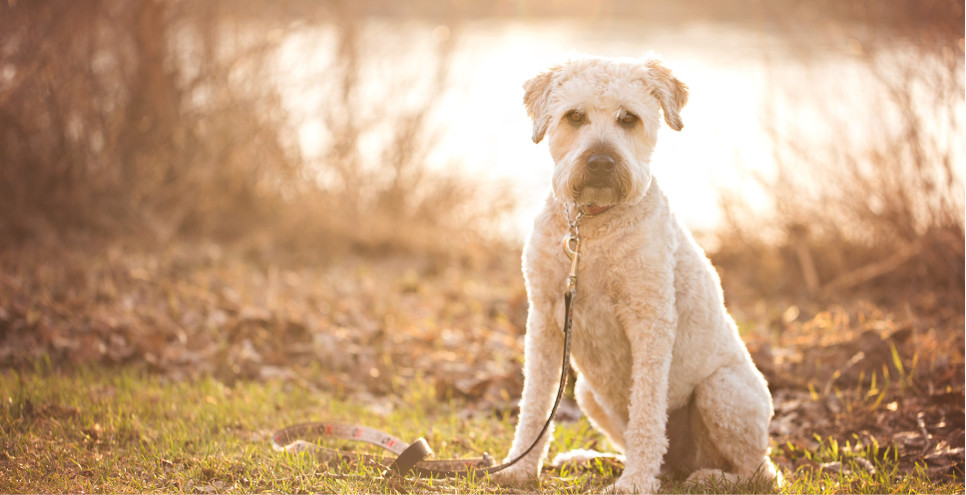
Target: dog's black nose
pixel 600 164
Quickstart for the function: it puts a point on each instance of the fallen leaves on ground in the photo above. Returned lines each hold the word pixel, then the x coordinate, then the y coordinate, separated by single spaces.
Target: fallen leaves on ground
pixel 355 326
pixel 866 376
pixel 859 374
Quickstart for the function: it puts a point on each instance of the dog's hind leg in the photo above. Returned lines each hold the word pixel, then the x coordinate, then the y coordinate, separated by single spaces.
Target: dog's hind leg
pixel 602 419
pixel 733 408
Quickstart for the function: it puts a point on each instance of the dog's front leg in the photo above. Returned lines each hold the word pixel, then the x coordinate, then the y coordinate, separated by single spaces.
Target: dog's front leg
pixel 651 333
pixel 543 349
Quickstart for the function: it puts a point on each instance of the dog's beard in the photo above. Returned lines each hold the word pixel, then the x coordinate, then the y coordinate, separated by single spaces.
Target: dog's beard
pixel 602 191
pixel 574 184
pixel 597 195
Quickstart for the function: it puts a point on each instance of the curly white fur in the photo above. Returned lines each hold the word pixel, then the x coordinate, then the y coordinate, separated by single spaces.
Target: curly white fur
pixel 661 369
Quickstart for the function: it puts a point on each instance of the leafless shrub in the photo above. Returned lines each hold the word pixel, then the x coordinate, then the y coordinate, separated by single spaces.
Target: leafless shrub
pixel 168 119
pixel 872 203
pixel 105 128
pixel 381 127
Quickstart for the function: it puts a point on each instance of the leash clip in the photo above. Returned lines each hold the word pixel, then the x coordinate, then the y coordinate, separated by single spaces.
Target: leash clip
pixel 571 243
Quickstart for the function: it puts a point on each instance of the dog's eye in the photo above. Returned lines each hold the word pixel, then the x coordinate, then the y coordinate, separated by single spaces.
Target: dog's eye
pixel 629 119
pixel 576 117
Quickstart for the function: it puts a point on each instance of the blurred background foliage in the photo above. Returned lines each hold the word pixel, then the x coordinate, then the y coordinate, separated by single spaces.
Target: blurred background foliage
pixel 878 199
pixel 164 120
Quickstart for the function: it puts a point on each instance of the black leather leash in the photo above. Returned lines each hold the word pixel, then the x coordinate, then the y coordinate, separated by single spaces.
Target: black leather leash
pixel 411 458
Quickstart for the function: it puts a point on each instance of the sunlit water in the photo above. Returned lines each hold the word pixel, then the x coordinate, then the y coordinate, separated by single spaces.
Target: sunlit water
pixel 736 77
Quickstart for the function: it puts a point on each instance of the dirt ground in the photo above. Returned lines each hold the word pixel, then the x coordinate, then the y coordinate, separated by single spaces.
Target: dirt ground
pixel 857 373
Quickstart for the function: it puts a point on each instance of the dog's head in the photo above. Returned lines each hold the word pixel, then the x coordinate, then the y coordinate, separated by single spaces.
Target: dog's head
pixel 601 118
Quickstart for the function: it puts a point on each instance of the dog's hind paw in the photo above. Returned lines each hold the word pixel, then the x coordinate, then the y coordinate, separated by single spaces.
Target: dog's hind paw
pixel 711 478
pixel 636 484
pixel 581 457
pixel 766 478
pixel 516 475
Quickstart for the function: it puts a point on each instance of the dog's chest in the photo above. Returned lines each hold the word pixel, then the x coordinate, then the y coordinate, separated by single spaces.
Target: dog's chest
pixel 601 350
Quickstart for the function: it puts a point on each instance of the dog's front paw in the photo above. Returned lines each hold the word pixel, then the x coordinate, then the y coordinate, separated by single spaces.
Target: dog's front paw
pixel 635 484
pixel 517 474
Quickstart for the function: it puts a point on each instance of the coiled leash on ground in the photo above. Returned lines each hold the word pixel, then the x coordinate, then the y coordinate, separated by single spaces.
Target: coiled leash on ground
pixel 411 458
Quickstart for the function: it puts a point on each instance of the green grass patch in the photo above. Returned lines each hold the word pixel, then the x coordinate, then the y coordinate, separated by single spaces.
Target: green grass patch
pixel 114 431
pixel 834 467
pixel 122 430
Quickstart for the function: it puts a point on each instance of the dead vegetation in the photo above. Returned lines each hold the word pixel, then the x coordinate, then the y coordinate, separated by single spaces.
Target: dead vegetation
pixel 103 132
pixel 851 280
pixel 863 374
pixel 866 198
pixel 162 120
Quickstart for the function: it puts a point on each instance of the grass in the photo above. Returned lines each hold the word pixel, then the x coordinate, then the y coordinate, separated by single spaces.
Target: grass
pixel 858 468
pixel 112 431
pixel 121 430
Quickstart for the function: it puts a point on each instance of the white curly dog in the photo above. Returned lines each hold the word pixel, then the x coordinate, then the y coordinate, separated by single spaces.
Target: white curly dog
pixel 661 369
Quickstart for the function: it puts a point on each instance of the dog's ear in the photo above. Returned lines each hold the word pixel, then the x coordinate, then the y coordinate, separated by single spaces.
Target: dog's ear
pixel 537 99
pixel 671 93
